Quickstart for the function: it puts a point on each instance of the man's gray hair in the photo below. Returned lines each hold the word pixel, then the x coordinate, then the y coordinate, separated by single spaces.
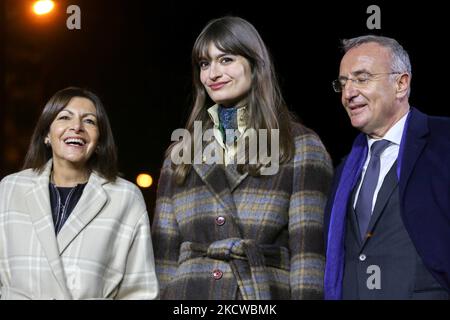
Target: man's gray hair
pixel 399 57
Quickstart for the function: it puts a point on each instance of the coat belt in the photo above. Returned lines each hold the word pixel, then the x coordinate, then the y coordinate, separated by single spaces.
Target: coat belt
pixel 248 261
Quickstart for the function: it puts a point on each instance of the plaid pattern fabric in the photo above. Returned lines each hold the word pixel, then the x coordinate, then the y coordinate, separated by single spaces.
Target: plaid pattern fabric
pixel 271 244
pixel 247 261
pixel 104 250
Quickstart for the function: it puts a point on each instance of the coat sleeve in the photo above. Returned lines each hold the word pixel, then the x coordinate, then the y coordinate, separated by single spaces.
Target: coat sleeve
pixel 312 176
pixel 139 280
pixel 165 231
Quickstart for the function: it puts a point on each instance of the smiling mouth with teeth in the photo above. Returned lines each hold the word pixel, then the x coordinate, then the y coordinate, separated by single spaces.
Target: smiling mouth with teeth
pixel 75 142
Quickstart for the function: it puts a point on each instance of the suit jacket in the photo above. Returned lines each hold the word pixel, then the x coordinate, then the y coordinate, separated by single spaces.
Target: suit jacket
pixel 424 192
pixel 104 249
pixel 223 235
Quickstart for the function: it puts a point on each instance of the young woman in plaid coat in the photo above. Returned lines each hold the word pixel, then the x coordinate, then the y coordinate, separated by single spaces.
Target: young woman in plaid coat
pixel 227 229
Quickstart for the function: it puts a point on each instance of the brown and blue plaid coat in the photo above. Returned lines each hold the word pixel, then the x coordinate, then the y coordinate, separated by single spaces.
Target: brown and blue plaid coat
pixel 223 235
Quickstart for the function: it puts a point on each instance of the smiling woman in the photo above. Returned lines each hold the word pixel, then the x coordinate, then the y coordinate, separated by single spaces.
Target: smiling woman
pixel 73 136
pixel 70 225
pixel 227 229
pixel 78 114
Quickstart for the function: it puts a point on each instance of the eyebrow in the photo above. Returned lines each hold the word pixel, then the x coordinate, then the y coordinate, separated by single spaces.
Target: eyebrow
pixel 208 57
pixel 83 115
pixel 356 73
pixel 222 55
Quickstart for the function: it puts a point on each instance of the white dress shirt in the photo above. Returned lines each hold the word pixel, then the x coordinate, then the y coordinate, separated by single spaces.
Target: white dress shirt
pixel 387 157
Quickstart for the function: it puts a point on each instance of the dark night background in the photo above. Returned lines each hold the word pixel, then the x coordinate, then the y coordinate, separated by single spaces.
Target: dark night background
pixel 136 56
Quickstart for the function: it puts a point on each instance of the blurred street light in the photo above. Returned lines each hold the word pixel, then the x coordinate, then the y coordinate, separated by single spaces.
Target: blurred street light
pixel 144 180
pixel 42 7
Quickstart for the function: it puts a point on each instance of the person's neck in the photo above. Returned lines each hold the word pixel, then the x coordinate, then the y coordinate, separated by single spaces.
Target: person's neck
pixel 237 105
pixel 68 176
pixel 404 109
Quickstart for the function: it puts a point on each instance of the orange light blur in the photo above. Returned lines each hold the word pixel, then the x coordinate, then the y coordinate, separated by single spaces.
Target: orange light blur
pixel 42 7
pixel 144 180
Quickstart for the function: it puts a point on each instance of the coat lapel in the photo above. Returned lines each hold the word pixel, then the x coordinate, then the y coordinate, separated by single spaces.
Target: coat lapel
pixel 91 202
pixel 352 214
pixel 414 144
pixel 38 202
pixel 216 180
pixel 234 177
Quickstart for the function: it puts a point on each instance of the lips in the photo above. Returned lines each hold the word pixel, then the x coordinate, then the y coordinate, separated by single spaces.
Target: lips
pixel 356 109
pixel 217 85
pixel 355 105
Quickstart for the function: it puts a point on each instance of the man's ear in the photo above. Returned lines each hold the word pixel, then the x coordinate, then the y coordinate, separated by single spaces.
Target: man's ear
pixel 402 85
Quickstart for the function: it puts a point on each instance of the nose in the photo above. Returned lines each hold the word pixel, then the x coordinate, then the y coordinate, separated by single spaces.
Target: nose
pixel 77 125
pixel 214 71
pixel 349 91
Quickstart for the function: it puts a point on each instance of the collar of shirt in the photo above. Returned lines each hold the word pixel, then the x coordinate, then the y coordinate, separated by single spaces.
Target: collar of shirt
pixel 394 134
pixel 241 121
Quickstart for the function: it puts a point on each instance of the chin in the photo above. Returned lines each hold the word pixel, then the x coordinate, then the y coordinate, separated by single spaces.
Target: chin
pixel 359 120
pixel 219 100
pixel 358 124
pixel 77 161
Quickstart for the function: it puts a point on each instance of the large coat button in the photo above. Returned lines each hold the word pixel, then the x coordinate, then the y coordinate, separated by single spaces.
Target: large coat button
pixel 217 274
pixel 220 220
pixel 362 257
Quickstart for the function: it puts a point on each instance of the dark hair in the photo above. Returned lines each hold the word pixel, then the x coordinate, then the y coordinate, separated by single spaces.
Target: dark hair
pixel 103 161
pixel 265 104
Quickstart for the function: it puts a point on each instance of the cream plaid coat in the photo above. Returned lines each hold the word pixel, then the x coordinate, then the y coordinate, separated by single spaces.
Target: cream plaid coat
pixel 104 249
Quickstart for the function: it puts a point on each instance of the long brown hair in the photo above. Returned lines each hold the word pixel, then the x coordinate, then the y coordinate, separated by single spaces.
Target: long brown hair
pixel 103 161
pixel 265 103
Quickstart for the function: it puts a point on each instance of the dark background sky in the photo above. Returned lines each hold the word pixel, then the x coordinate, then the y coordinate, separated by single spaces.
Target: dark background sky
pixel 136 56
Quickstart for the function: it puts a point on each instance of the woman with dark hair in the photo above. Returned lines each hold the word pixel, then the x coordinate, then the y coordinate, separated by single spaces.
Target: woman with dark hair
pixel 228 223
pixel 70 228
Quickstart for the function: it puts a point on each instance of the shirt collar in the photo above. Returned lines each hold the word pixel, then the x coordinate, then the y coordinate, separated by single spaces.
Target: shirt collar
pixel 241 117
pixel 394 134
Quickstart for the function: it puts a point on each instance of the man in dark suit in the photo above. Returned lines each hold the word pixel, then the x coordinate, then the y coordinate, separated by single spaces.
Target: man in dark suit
pixel 387 222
